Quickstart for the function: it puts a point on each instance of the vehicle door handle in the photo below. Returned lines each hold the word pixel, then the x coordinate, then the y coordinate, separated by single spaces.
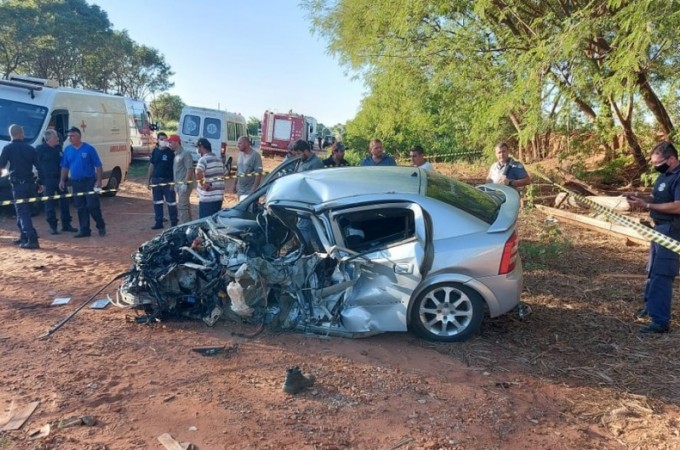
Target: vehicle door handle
pixel 403 268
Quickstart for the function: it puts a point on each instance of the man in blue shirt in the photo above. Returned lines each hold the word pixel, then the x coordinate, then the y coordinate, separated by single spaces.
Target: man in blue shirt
pixel 376 156
pixel 161 173
pixel 83 163
pixel 506 170
pixel 22 159
pixel 49 171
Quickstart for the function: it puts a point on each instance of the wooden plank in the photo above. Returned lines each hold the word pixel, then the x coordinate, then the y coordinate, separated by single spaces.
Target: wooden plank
pixel 18 418
pixel 168 442
pixel 600 226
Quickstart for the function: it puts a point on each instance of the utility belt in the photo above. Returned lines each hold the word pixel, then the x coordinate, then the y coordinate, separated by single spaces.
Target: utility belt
pixel 15 181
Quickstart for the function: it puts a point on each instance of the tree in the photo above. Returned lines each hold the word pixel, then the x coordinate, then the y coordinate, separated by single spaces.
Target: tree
pixel 254 124
pixel 18 34
pixel 166 107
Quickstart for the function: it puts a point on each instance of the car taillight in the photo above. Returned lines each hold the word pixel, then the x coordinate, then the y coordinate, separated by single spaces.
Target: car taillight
pixel 509 258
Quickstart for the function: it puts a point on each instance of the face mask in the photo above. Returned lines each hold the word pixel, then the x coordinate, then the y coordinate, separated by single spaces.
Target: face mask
pixel 162 144
pixel 661 168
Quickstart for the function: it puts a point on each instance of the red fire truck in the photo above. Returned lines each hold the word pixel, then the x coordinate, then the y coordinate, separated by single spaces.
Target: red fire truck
pixel 279 130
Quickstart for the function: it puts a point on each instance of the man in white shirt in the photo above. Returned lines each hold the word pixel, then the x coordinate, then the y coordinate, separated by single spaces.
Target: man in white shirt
pixel 418 157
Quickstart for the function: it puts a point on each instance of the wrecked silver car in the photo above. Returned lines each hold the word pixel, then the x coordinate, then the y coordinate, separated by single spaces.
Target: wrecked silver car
pixel 350 251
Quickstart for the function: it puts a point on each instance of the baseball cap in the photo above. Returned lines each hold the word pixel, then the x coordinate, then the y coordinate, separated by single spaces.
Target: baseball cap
pixel 174 138
pixel 203 142
pixel 73 130
pixel 339 147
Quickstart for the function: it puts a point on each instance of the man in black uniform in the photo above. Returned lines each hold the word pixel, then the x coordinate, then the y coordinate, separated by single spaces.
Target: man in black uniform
pixel 49 172
pixel 664 209
pixel 337 157
pixel 22 159
pixel 161 172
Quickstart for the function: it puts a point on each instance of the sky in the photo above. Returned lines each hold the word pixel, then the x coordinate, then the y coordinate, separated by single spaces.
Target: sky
pixel 242 56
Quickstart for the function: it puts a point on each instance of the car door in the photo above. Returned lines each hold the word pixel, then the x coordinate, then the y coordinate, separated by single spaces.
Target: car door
pixel 391 239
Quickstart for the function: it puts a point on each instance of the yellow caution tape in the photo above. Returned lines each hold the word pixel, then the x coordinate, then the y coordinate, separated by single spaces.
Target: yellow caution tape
pixel 653 235
pixel 54 197
pixel 446 155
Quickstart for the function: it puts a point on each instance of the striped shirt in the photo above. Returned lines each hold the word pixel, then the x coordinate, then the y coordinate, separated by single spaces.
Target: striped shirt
pixel 213 172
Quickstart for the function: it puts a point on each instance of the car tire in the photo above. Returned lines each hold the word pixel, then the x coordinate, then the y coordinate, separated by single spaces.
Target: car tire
pixel 447 312
pixel 114 183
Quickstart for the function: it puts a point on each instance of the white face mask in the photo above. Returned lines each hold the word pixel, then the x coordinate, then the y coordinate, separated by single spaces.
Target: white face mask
pixel 162 144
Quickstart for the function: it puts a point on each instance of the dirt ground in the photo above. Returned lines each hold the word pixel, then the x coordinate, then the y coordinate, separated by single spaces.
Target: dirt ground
pixel 576 374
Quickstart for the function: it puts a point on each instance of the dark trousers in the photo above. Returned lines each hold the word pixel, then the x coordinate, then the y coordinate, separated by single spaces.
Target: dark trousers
pixel 87 205
pixel 52 188
pixel 206 209
pixel 163 194
pixel 23 210
pixel 663 268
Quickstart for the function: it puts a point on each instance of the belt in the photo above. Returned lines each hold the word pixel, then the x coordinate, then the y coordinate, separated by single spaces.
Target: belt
pixel 21 181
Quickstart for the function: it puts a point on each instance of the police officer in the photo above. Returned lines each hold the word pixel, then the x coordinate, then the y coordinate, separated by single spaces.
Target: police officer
pixel 22 159
pixel 49 171
pixel 161 173
pixel 506 170
pixel 664 209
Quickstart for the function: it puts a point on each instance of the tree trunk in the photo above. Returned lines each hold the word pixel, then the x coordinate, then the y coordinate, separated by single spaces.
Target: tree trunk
pixel 654 104
pixel 629 135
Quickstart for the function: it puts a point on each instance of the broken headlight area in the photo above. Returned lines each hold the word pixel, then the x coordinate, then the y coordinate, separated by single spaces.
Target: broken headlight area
pixel 252 271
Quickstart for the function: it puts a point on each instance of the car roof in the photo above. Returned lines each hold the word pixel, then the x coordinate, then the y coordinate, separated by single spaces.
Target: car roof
pixel 327 185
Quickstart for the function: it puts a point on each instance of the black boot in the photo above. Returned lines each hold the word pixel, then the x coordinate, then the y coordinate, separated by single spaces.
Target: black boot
pixel 296 382
pixel 31 244
pixel 69 228
pixel 20 240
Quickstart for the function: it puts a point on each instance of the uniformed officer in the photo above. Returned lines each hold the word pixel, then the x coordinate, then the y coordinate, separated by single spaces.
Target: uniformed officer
pixel 22 159
pixel 506 170
pixel 664 209
pixel 161 173
pixel 49 170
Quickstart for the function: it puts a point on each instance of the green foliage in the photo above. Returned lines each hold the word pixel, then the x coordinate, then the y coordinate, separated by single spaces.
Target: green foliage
pixel 166 108
pixel 551 245
pixel 72 42
pixel 253 125
pixel 354 156
pixel 648 179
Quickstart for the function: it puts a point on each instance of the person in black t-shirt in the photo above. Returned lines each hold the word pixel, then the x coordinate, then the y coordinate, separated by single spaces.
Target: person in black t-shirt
pixel 49 171
pixel 161 172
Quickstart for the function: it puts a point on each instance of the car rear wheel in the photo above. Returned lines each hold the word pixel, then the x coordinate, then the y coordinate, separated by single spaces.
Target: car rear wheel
pixel 114 183
pixel 448 312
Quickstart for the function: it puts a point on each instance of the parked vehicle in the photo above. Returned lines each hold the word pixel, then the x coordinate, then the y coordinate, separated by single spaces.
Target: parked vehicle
pixel 37 104
pixel 328 140
pixel 400 249
pixel 141 127
pixel 280 130
pixel 221 128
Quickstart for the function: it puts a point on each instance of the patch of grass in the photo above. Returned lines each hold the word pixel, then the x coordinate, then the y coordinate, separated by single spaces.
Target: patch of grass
pixel 5 442
pixel 551 245
pixel 138 169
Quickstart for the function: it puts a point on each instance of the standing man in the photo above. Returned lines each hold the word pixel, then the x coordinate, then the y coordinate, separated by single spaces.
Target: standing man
pixel 248 169
pixel 418 157
pixel 506 170
pixel 22 159
pixel 83 163
pixel 319 139
pixel 183 174
pixel 49 172
pixel 664 209
pixel 376 156
pixel 308 159
pixel 161 173
pixel 337 157
pixel 210 176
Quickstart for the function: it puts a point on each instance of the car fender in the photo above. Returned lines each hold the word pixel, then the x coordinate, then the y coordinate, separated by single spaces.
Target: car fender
pixel 488 296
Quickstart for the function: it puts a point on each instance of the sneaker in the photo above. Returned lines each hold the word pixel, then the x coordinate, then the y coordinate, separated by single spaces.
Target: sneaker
pixel 157 226
pixel 82 234
pixel 69 228
pixel 53 230
pixel 655 328
pixel 102 232
pixel 296 382
pixel 30 245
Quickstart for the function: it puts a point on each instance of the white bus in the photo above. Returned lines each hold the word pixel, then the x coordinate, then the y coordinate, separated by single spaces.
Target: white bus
pixel 221 128
pixel 141 128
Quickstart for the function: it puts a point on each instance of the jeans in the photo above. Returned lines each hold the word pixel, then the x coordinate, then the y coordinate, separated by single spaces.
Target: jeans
pixel 87 205
pixel 23 210
pixel 52 188
pixel 206 209
pixel 164 194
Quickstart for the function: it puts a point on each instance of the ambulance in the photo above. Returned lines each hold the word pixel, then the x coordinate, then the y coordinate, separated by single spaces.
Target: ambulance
pixel 221 128
pixel 38 104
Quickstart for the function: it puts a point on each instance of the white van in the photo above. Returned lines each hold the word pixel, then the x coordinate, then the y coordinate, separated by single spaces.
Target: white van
pixel 221 128
pixel 37 105
pixel 141 128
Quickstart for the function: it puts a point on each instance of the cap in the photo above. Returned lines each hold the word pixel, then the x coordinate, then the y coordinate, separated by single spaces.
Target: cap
pixel 339 147
pixel 203 142
pixel 174 138
pixel 73 130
